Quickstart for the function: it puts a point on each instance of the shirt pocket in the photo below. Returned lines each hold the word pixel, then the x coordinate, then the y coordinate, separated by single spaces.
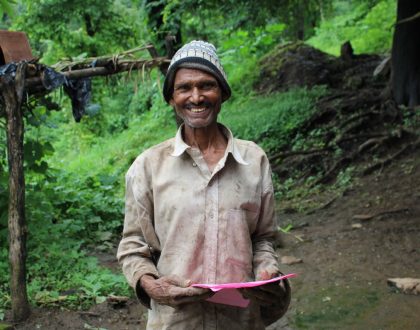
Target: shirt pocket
pixel 238 246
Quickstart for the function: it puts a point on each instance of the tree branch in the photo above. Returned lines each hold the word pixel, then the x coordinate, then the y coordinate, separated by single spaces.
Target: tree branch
pixel 408 19
pixel 126 65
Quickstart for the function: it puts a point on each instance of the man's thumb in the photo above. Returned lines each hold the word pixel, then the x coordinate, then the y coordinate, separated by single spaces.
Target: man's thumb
pixel 183 283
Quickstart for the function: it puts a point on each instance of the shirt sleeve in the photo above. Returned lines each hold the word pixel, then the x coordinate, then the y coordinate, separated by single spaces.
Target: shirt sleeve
pixel 264 256
pixel 139 238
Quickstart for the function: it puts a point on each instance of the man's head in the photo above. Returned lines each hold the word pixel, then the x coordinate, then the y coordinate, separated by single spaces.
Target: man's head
pixel 197 97
pixel 199 55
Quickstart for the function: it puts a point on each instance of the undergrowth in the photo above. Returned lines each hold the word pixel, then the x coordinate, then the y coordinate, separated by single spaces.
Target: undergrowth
pixel 272 120
pixel 369 31
pixel 60 273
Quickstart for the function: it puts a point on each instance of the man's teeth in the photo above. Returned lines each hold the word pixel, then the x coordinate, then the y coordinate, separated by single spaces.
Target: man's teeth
pixel 196 110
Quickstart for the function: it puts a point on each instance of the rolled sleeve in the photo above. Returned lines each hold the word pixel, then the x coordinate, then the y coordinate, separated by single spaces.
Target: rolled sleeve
pixel 138 237
pixel 264 256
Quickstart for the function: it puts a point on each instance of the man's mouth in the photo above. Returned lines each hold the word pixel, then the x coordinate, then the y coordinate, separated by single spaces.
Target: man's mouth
pixel 199 107
pixel 197 110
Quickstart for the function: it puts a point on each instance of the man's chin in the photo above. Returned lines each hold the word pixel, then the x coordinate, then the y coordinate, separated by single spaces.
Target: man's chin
pixel 196 125
pixel 199 122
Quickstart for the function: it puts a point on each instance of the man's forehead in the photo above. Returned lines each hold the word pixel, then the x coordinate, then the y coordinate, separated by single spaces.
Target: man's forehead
pixel 187 74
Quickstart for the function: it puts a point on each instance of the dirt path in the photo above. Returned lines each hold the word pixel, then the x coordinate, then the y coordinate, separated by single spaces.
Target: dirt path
pixel 346 261
pixel 342 279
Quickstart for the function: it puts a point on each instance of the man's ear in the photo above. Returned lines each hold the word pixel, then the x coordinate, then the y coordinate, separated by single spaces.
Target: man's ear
pixel 172 102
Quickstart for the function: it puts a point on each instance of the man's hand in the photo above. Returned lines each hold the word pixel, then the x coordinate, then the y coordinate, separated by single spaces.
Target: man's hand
pixel 268 294
pixel 172 290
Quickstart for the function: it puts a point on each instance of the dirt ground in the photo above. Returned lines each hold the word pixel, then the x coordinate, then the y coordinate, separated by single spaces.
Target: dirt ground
pixel 342 282
pixel 346 261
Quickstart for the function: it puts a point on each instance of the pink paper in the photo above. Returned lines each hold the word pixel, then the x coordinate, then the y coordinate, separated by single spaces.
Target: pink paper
pixel 227 294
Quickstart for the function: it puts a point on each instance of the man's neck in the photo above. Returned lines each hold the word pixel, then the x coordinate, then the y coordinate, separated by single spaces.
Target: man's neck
pixel 205 138
pixel 209 140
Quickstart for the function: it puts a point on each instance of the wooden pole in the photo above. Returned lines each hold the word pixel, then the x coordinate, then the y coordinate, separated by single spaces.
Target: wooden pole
pixel 102 70
pixel 12 92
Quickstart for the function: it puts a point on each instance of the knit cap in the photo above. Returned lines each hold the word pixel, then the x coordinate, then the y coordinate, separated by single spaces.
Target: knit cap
pixel 199 55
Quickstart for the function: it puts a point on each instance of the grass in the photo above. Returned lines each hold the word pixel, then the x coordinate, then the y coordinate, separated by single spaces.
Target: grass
pixel 331 306
pixel 271 120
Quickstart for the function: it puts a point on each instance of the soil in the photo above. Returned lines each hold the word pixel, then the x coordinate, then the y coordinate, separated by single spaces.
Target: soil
pixel 342 282
pixel 342 279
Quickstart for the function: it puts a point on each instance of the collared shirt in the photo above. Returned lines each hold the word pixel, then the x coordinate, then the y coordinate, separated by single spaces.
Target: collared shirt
pixel 209 227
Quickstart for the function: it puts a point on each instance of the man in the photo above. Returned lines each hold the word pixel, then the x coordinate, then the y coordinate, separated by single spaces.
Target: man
pixel 200 209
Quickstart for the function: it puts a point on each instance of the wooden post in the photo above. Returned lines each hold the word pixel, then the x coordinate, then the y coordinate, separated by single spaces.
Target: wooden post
pixel 405 78
pixel 12 92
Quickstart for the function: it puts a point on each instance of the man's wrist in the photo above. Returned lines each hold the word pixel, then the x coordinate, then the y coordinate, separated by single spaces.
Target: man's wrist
pixel 146 279
pixel 143 283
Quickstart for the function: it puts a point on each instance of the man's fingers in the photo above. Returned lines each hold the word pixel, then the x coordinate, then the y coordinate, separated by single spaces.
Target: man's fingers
pixel 276 288
pixel 265 275
pixel 264 296
pixel 178 281
pixel 261 297
pixel 197 292
pixel 193 298
pixel 173 290
pixel 176 291
pixel 190 296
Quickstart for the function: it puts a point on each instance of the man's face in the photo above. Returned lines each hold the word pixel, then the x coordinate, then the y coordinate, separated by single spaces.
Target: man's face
pixel 197 97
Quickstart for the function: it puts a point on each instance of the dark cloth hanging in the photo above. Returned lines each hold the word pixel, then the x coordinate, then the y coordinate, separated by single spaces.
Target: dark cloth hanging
pixel 79 90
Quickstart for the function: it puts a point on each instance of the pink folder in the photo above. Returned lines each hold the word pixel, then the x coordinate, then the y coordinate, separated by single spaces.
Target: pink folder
pixel 227 294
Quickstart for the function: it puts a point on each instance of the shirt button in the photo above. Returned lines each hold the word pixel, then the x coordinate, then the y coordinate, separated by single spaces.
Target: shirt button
pixel 194 164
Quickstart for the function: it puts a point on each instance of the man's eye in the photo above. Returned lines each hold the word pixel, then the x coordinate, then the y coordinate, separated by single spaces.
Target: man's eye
pixel 208 86
pixel 182 88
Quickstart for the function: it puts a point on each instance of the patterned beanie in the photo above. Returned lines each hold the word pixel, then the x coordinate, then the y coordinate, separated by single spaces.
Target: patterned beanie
pixel 199 55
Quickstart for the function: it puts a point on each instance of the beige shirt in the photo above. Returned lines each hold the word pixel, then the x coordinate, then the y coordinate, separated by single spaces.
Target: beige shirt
pixel 210 227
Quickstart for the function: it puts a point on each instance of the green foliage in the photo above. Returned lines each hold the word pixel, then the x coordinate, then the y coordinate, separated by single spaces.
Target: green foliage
pixel 286 229
pixel 194 19
pixel 344 178
pixel 74 280
pixel 89 210
pixel 4 196
pixel 273 120
pixel 411 116
pixel 6 8
pixel 66 28
pixel 369 29
pixel 60 274
pixel 246 48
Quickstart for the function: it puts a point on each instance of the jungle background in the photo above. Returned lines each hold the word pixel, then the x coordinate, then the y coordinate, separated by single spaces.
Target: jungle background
pixel 345 158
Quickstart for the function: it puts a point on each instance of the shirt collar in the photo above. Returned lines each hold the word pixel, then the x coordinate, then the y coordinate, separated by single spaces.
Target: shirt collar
pixel 179 145
pixel 232 147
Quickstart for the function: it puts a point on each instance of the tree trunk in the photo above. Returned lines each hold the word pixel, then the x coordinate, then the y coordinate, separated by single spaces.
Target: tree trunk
pixel 300 17
pixel 405 78
pixel 155 12
pixel 12 92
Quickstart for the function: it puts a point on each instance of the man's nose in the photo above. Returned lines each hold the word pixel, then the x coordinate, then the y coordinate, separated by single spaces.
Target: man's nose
pixel 196 96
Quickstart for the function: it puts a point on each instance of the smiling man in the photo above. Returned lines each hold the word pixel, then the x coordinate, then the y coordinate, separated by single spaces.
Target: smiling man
pixel 200 209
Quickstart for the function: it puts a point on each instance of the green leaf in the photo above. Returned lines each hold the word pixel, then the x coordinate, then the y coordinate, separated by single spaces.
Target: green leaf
pixel 6 7
pixel 286 229
pixel 100 299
